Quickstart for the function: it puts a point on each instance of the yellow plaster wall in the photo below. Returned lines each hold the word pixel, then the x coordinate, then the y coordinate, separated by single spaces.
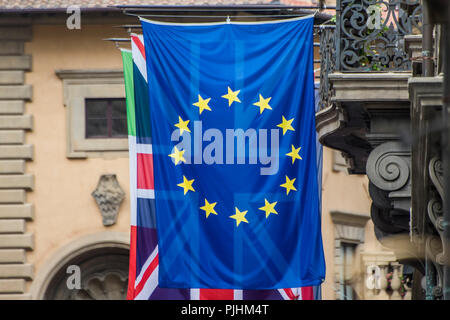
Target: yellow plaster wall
pixel 64 207
pixel 347 193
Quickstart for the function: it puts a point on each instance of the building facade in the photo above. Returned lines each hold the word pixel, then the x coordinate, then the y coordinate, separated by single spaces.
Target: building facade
pixel 384 106
pixel 64 180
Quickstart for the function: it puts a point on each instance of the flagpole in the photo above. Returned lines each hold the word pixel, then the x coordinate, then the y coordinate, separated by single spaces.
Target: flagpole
pixel 221 8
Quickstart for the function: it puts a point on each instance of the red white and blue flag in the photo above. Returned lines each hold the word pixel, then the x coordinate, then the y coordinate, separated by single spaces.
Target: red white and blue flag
pixel 143 263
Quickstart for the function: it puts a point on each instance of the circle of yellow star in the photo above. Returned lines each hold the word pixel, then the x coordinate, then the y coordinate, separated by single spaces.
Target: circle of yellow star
pixel 232 96
pixel 177 155
pixel 286 125
pixel 202 104
pixel 182 125
pixel 263 104
pixel 239 216
pixel 186 185
pixel 289 185
pixel 294 153
pixel 269 208
pixel 209 208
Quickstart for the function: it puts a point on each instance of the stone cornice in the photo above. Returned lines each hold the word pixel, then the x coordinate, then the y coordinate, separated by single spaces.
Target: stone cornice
pixel 88 73
pixel 370 86
pixel 426 90
pixel 413 45
pixel 328 120
pixel 350 219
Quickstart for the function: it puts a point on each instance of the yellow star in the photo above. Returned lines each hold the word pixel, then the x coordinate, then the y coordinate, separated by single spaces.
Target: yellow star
pixel 177 155
pixel 286 125
pixel 239 217
pixel 289 185
pixel 186 185
pixel 263 104
pixel 269 208
pixel 202 104
pixel 294 153
pixel 182 125
pixel 209 208
pixel 231 96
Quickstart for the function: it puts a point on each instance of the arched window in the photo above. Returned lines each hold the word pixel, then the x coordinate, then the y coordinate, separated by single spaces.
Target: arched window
pixel 103 275
pixel 93 267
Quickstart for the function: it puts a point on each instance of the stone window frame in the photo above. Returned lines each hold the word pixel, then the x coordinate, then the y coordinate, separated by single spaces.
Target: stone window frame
pixel 79 85
pixel 349 228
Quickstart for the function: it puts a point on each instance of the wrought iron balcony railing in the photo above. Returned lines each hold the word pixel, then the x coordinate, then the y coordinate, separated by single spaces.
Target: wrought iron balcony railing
pixel 370 34
pixel 327 64
pixel 369 37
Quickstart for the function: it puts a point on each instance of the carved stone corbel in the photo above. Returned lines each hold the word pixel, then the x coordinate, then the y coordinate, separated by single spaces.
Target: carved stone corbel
pixel 435 206
pixel 388 169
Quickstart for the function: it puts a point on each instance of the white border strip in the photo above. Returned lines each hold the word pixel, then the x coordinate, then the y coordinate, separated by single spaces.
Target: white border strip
pixel 145 266
pixel 149 287
pixel 284 294
pixel 146 193
pixel 297 292
pixel 238 294
pixel 195 294
pixel 138 58
pixel 144 148
pixel 225 22
pixel 133 179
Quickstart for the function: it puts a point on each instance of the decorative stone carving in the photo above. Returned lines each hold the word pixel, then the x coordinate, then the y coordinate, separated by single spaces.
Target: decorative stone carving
pixel 435 206
pixel 433 249
pixel 108 195
pixel 107 286
pixel 387 166
pixel 436 175
pixel 388 169
pixel 103 266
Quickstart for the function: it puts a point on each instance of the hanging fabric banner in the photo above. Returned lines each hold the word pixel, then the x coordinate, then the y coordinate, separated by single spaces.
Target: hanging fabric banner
pixel 231 112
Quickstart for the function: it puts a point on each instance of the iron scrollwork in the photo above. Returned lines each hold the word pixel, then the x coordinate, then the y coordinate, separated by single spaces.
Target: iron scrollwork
pixel 327 64
pixel 435 206
pixel 371 34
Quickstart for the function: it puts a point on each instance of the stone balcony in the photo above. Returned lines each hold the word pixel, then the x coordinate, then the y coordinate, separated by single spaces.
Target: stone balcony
pixel 385 116
pixel 366 110
pixel 365 104
pixel 383 278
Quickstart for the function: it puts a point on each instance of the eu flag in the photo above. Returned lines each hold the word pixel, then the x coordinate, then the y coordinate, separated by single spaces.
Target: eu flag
pixel 234 154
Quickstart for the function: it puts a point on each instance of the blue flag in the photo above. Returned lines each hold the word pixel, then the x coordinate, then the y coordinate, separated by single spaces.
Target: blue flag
pixel 234 154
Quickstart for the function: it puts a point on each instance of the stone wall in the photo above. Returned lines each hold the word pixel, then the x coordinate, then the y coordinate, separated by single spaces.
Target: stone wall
pixel 14 152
